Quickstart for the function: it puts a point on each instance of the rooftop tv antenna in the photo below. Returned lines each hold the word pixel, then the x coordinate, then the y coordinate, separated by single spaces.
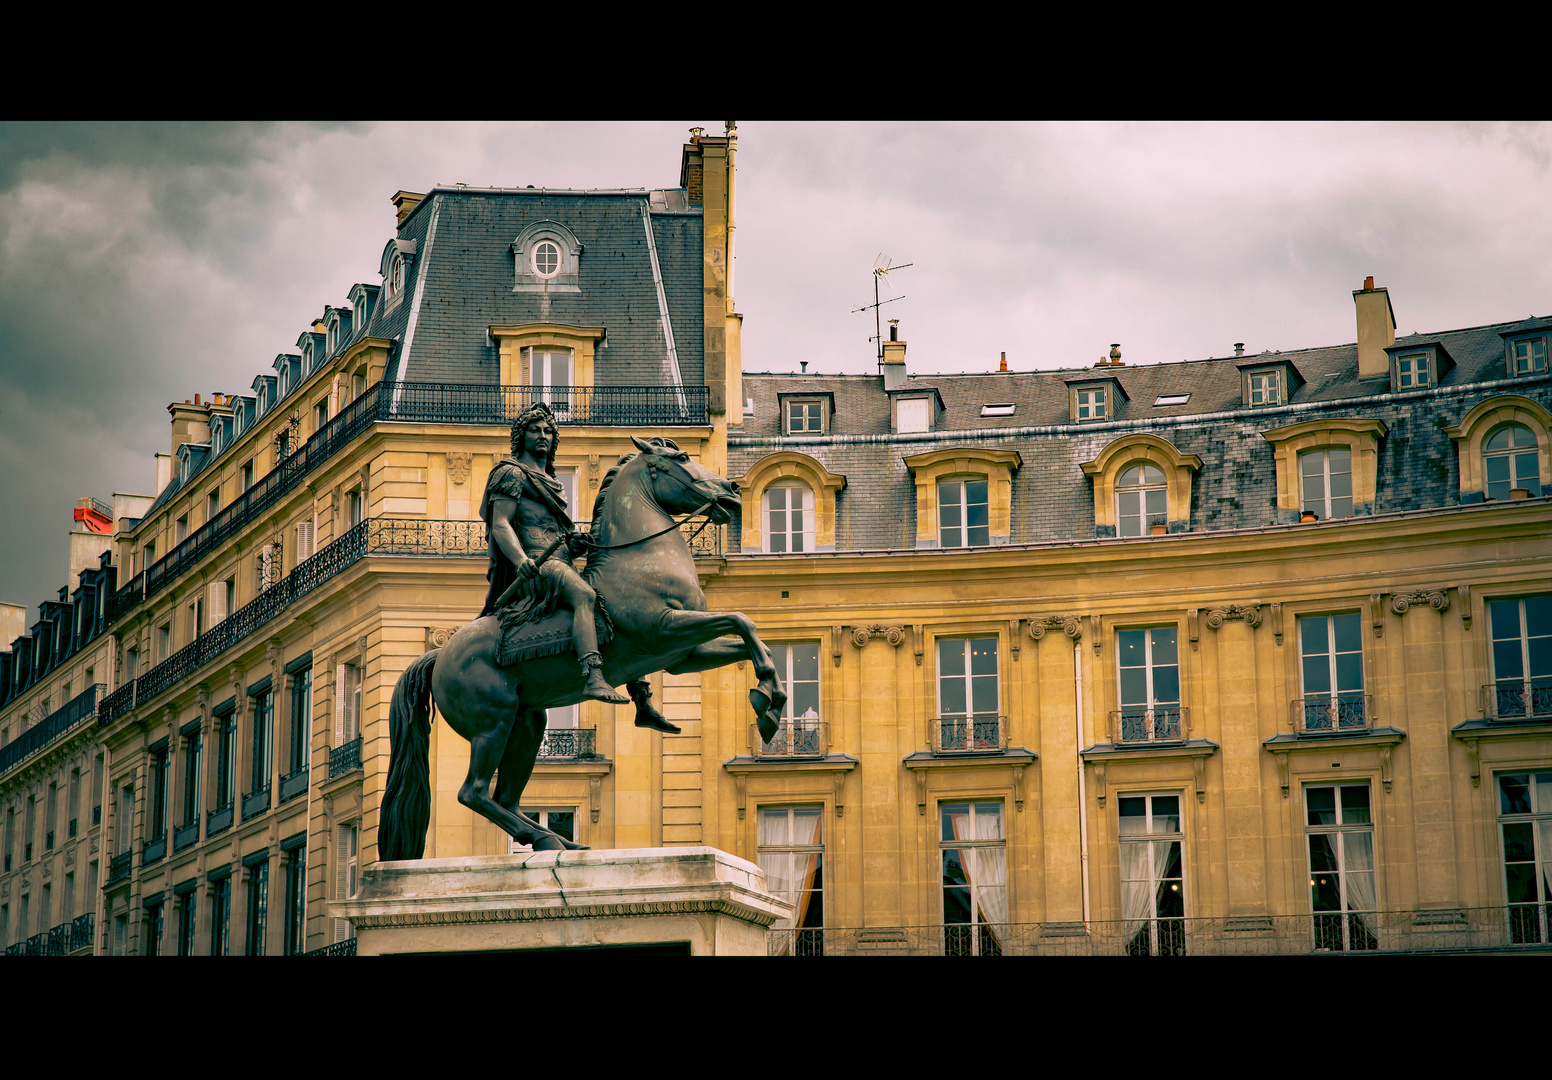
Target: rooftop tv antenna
pixel 881 268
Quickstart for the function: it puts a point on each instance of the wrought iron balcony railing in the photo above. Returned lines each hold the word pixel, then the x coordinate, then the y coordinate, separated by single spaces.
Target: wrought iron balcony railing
pixel 980 734
pixel 345 758
pixel 83 931
pixel 58 941
pixel 1150 724
pixel 55 724
pixel 293 784
pixel 37 945
pixel 1518 699
pixel 255 804
pixel 218 820
pixel 1333 714
pixel 339 948
pixel 119 868
pixel 793 739
pixel 569 743
pixel 154 851
pixel 185 836
pixel 635 406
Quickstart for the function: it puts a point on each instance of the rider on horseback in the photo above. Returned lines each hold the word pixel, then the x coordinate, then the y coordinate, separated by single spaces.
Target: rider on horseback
pixel 525 512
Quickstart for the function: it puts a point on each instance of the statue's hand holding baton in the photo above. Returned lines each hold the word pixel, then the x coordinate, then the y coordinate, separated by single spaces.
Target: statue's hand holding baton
pixel 526 572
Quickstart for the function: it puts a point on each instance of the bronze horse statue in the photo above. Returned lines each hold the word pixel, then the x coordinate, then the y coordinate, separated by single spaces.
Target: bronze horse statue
pixel 640 562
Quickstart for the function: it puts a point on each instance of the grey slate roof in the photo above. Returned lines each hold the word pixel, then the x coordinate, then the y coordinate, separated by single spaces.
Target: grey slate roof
pixel 1054 501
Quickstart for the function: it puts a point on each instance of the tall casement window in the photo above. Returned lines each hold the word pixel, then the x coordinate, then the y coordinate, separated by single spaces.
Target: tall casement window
pixel 1148 667
pixel 1509 457
pixel 975 878
pixel 1142 499
pixel 561 822
pixel 156 812
pixel 263 740
pixel 220 916
pixel 155 919
pixel 1525 821
pixel 789 515
pixel 805 417
pixel 1265 388
pixel 296 901
pixel 1412 371
pixel 126 822
pixel 1326 482
pixel 1092 404
pixel 344 876
pixel 226 761
pixel 968 698
pixel 1522 657
pixel 963 519
pixel 186 923
pixel 347 704
pixel 192 772
pixel 550 373
pixel 1331 648
pixel 258 908
pixel 1153 899
pixel 1341 864
pixel 792 856
pixel 800 732
pixel 353 508
pixel 301 719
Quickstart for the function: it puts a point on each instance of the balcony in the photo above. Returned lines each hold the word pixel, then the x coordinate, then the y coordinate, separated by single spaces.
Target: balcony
pixel 55 724
pixel 1509 701
pixel 255 804
pixel 793 739
pixel 37 945
pixel 185 836
pixel 1153 724
pixel 58 941
pixel 344 759
pixel 118 869
pixel 293 784
pixel 83 932
pixel 154 851
pixel 568 744
pixel 968 734
pixel 218 821
pixel 1333 714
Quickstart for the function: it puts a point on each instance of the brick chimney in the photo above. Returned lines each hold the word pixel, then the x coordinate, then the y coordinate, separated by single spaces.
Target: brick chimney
pixel 190 423
pixel 404 202
pixel 1376 330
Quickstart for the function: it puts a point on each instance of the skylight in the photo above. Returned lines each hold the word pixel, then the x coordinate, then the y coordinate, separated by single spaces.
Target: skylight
pixel 1171 399
pixel 1005 409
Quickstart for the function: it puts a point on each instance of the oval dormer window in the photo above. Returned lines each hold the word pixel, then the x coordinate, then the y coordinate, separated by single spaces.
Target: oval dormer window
pixel 396 275
pixel 546 258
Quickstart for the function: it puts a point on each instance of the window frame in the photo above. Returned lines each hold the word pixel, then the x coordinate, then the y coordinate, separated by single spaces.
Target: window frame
pixel 973 729
pixel 1532 370
pixel 971 942
pixel 1270 388
pixel 1095 400
pixel 804 735
pixel 1171 727
pixel 1538 819
pixel 1342 707
pixel 1323 929
pixel 1515 455
pixel 1360 436
pixel 1327 500
pixel 813 408
pixel 1528 695
pixel 1142 489
pixel 803 935
pixel 1169 939
pixel 805 537
pixel 963 508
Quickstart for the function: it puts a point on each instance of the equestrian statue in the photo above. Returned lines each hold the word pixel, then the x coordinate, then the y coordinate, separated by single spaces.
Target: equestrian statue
pixel 549 636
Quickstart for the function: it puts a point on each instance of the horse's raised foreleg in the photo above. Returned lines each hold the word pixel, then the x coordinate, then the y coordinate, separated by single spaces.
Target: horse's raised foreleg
pixel 516 767
pixel 704 627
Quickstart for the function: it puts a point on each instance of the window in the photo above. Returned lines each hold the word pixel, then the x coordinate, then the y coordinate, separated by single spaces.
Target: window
pixel 1522 657
pixel 220 916
pixel 347 704
pixel 296 902
pixel 150 555
pixel 352 507
pixel 1412 370
pixel 74 809
pixel 154 918
pixel 301 719
pixel 51 817
pixel 258 909
pixel 1141 500
pixel 126 822
pixel 550 373
pixel 561 822
pixel 212 504
pixel 120 931
pixel 186 923
pixel 396 276
pixel 792 856
pixel 163 641
pixel 1148 668
pixel 1326 482
pixel 1332 653
pixel 913 414
pixel 1153 900
pixel 1092 405
pixel 546 258
pixel 975 879
pixel 789 511
pixel 191 777
pixel 1525 823
pixel 968 712
pixel 800 732
pixel 963 517
pixel 304 541
pixel 247 476
pixel 196 619
pixel 321 415
pixel 812 491
pixel 344 877
pixel 999 409
pixel 1265 388
pixel 1509 457
pixel 181 530
pixel 263 741
pixel 156 812
pixel 1165 400
pixel 1341 867
pixel 226 761
pixel 805 417
pixel 1528 356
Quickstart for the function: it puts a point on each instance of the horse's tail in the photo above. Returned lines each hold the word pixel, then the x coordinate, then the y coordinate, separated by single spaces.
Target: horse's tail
pixel 406 806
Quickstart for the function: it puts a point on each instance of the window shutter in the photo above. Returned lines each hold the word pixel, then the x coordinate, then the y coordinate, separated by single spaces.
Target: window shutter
pixel 304 541
pixel 217 602
pixel 352 701
pixel 339 705
pixel 344 877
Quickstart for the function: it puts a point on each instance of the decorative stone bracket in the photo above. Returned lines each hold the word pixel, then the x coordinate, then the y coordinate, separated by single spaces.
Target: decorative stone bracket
pixel 1401 603
pixel 861 635
pixel 1198 753
pixel 838 766
pixel 1384 741
pixel 458 466
pixel 1040 625
pixel 1017 759
pixel 1249 613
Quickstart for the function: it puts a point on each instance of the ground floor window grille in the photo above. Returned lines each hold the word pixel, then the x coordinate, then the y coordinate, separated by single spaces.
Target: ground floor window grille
pixel 792 856
pixel 975 879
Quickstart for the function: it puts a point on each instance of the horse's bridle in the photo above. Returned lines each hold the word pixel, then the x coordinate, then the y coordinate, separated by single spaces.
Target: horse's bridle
pixel 653 466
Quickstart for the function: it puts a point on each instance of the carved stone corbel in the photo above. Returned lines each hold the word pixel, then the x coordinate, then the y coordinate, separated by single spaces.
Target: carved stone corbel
pixel 861 635
pixel 840 793
pixel 1193 628
pixel 1199 768
pixel 277 662
pixel 1282 772
pixel 1401 603
pixel 437 637
pixel 1099 782
pixel 836 633
pixel 595 795
pixel 1377 613
pixel 458 467
pixel 1013 637
pixel 1040 625
pixel 741 787
pixel 1464 591
pixel 1277 621
pixel 235 674
pixel 918 641
pixel 1098 626
pixel 1018 787
pixel 921 792
pixel 592 470
pixel 1385 776
pixel 1474 760
pixel 1250 614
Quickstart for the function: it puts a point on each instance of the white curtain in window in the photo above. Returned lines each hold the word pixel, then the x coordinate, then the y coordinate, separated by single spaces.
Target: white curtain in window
pixel 778 876
pixel 1136 883
pixel 987 869
pixel 1358 872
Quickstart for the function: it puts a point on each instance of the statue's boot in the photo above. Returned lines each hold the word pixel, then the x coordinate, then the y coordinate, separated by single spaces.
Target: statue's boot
pixel 597 688
pixel 640 691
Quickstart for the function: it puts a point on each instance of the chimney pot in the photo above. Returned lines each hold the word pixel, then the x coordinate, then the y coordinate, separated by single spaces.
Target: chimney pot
pixel 196 399
pixel 1239 348
pixel 1004 365
pixel 1115 352
pixel 1368 282
pixel 803 366
pixel 894 329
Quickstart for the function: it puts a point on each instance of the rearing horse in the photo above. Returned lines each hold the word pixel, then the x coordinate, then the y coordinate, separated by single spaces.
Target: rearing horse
pixel 641 564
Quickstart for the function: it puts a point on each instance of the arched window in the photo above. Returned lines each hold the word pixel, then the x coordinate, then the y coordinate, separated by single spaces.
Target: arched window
pixel 546 258
pixel 396 276
pixel 1326 482
pixel 789 518
pixel 1510 460
pixel 1142 495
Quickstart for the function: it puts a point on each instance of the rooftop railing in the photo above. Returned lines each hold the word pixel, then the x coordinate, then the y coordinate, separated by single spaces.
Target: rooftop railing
pixel 1511 700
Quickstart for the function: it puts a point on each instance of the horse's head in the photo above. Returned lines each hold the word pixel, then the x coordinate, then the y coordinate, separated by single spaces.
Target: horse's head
pixel 682 486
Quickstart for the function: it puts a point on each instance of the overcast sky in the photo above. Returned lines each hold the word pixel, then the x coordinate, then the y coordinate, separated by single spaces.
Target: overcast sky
pixel 143 264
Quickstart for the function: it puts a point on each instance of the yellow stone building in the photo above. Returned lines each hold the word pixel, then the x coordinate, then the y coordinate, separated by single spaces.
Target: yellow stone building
pixel 1249 654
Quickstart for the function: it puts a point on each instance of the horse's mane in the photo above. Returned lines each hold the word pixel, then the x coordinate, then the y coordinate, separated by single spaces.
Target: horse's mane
pixel 614 470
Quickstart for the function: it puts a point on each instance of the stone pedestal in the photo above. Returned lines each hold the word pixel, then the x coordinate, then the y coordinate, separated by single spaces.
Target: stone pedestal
pixel 693 901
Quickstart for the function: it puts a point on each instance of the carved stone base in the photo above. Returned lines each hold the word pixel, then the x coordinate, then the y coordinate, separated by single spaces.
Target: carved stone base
pixel 697 900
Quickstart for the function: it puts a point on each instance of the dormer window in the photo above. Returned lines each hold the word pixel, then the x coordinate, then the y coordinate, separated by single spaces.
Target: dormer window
pixel 1265 388
pixel 396 276
pixel 1417 365
pixel 333 342
pixel 546 258
pixel 915 414
pixel 1412 371
pixel 1092 398
pixel 1093 404
pixel 1000 409
pixel 1528 356
pixel 805 417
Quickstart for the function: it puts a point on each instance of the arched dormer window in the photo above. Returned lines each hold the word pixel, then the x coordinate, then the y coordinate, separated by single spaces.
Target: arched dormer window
pixel 546 257
pixel 962 491
pixel 776 486
pixel 1328 468
pixel 1503 444
pixel 394 267
pixel 1141 481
